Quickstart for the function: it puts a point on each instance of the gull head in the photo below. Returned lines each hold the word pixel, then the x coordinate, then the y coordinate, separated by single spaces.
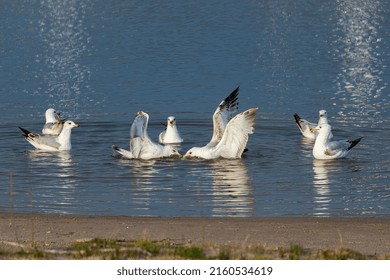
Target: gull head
pixel 193 153
pixel 171 121
pixel 322 113
pixel 50 115
pixel 324 128
pixel 70 124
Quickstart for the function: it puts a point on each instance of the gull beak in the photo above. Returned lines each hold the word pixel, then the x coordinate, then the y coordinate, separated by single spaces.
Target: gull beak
pixel 171 123
pixel 76 125
pixel 314 129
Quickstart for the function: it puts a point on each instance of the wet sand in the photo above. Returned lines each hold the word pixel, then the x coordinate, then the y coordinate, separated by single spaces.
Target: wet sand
pixel 366 235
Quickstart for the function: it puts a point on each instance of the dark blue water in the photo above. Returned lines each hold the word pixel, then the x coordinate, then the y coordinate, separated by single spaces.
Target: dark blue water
pixel 99 62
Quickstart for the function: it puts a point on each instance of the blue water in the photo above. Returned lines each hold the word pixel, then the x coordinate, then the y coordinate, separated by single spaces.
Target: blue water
pixel 99 62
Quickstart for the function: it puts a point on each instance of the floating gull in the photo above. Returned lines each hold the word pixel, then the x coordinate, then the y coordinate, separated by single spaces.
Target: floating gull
pixel 54 124
pixel 306 127
pixel 51 143
pixel 233 141
pixel 170 135
pixel 141 146
pixel 326 149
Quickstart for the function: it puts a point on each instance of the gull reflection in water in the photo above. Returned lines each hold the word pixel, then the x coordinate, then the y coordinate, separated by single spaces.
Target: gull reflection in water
pixel 321 183
pixel 55 189
pixel 232 191
pixel 143 173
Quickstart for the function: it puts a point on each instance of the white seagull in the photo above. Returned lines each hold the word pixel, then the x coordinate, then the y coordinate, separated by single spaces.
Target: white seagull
pixel 141 146
pixel 51 143
pixel 307 127
pixel 170 135
pixel 233 141
pixel 326 149
pixel 53 125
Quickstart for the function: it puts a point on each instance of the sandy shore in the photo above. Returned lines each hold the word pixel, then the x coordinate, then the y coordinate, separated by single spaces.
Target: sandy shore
pixel 365 235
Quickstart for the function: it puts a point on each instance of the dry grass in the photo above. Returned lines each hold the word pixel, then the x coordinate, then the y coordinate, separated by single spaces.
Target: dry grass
pixel 165 249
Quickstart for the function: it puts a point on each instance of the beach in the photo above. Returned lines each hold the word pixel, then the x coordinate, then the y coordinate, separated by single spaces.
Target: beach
pixel 369 236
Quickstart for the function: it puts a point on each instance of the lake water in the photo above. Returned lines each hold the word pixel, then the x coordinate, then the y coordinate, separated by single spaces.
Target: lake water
pixel 99 62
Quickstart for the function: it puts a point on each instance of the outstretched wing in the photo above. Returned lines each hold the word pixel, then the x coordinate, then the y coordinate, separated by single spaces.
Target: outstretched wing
pixel 223 115
pixel 139 125
pixel 235 137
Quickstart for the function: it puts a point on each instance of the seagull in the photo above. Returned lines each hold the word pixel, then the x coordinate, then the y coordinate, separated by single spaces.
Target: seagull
pixel 326 149
pixel 233 141
pixel 141 146
pixel 307 127
pixel 54 124
pixel 170 135
pixel 51 143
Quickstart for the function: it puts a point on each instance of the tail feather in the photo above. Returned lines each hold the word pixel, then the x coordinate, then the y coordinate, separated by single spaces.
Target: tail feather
pixel 353 143
pixel 123 152
pixel 25 132
pixel 297 120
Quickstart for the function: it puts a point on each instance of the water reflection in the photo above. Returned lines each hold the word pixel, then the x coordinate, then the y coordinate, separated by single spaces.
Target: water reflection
pixel 55 183
pixel 321 183
pixel 65 42
pixel 62 159
pixel 143 174
pixel 359 82
pixel 232 191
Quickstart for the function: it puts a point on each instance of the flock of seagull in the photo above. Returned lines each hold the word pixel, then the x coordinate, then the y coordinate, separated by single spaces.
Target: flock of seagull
pixel 229 139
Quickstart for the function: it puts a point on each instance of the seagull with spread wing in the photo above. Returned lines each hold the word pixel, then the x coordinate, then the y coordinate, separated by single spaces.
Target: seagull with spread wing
pixel 233 141
pixel 141 146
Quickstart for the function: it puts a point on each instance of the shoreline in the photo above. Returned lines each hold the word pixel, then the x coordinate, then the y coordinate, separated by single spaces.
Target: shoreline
pixel 369 236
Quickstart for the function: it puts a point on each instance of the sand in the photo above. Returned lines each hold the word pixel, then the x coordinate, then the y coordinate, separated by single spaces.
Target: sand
pixel 368 236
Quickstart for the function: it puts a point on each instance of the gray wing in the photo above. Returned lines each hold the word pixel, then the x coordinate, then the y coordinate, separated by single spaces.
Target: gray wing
pixel 336 147
pixel 137 133
pixel 138 126
pixel 53 129
pixel 44 142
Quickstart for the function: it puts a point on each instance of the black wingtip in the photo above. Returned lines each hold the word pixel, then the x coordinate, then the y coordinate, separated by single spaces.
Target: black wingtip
pixel 297 120
pixel 232 99
pixel 114 147
pixel 25 131
pixel 354 143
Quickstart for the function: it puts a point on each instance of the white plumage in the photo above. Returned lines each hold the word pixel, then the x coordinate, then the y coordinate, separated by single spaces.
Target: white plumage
pixel 233 141
pixel 62 142
pixel 326 149
pixel 307 127
pixel 141 146
pixel 171 134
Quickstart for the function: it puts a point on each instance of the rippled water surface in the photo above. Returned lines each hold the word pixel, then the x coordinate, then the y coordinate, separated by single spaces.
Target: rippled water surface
pixel 99 62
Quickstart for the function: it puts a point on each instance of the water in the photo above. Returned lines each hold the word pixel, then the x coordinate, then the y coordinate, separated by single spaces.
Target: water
pixel 99 62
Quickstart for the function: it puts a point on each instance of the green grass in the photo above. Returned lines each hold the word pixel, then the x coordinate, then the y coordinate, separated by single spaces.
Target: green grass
pixel 107 249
